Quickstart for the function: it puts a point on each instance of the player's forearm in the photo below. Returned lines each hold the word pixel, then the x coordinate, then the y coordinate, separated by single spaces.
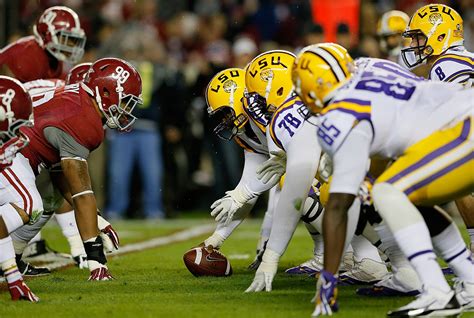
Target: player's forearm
pixel 85 208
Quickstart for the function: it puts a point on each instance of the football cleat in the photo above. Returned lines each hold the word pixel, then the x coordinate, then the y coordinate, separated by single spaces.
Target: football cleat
pixel 401 283
pixel 19 291
pixel 365 272
pixel 28 270
pixel 326 295
pixel 310 267
pixel 465 295
pixel 100 273
pixel 432 302
pixel 447 271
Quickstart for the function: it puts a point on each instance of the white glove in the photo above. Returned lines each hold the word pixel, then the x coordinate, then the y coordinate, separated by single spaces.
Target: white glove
pixel 265 272
pixel 325 167
pixel 273 169
pixel 109 236
pixel 223 210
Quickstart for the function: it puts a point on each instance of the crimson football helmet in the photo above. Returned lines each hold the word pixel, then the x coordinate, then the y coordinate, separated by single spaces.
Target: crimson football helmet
pixel 116 86
pixel 77 73
pixel 15 112
pixel 59 31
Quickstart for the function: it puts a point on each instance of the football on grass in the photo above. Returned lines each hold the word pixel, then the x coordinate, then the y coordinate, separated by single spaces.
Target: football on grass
pixel 202 261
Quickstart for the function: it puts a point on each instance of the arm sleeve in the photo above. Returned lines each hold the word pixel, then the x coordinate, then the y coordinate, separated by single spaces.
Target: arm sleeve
pixel 65 143
pixel 302 162
pixel 350 160
pixel 249 175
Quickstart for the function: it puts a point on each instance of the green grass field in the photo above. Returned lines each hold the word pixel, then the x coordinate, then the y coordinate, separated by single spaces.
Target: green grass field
pixel 155 282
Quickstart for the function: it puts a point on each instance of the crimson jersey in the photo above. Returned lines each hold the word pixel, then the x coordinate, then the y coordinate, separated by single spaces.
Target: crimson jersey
pixel 69 109
pixel 28 61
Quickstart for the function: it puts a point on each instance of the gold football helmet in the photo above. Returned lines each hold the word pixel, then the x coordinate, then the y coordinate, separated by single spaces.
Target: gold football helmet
pixel 318 70
pixel 390 28
pixel 432 29
pixel 268 81
pixel 224 95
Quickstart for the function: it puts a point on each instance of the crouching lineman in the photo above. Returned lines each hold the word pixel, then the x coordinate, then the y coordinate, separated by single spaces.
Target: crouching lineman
pixel 224 99
pixel 271 102
pixel 382 110
pixel 17 207
pixel 69 123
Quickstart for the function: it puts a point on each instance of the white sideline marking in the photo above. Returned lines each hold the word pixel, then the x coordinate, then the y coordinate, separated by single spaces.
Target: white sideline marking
pixel 155 242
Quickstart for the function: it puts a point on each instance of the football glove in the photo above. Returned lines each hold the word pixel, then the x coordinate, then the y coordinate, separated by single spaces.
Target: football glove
pixel 326 295
pixel 265 272
pixel 223 210
pixel 108 234
pixel 19 291
pixel 273 169
pixel 99 271
pixel 325 167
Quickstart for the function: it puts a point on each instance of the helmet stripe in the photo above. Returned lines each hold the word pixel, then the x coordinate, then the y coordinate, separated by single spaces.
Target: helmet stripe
pixel 332 62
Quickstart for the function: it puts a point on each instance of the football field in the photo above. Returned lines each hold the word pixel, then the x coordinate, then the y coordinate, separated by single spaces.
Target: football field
pixel 155 283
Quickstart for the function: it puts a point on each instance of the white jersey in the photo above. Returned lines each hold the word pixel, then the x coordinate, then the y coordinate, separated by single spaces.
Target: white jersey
pixel 455 65
pixel 400 107
pixel 286 121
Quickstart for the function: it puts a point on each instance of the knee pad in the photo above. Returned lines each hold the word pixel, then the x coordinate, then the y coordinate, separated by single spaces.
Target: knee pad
pixel 11 218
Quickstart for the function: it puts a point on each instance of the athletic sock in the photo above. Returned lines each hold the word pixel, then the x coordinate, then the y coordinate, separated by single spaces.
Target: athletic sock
pixel 68 225
pixel 450 245
pixel 7 260
pixel 414 241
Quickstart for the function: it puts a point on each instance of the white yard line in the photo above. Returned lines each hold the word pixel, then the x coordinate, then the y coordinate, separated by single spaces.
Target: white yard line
pixel 183 235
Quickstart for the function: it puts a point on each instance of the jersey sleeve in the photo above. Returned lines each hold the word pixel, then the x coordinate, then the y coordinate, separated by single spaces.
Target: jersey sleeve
pixel 65 143
pixel 337 122
pixel 452 68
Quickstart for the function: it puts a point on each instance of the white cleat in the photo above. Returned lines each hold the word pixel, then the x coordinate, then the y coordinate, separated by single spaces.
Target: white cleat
pixel 367 271
pixel 404 282
pixel 465 295
pixel 310 267
pixel 431 303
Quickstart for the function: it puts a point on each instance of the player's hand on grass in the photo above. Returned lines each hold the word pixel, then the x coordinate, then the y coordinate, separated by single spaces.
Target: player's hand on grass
pixel 273 169
pixel 265 273
pixel 20 291
pixel 326 295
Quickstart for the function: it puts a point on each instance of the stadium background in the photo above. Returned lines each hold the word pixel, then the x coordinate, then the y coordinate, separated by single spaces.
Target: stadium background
pixel 178 46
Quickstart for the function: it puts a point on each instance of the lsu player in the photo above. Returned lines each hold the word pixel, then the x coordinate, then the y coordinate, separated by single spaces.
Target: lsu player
pixel 271 102
pixel 390 28
pixel 224 95
pixel 58 39
pixel 436 33
pixel 16 109
pixel 381 110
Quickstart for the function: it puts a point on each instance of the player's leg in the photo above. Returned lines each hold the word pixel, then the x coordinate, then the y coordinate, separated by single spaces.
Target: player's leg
pixel 435 169
pixel 20 203
pixel 465 206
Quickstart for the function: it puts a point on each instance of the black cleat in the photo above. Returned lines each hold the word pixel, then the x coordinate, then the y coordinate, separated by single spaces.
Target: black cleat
pixel 427 305
pixel 28 270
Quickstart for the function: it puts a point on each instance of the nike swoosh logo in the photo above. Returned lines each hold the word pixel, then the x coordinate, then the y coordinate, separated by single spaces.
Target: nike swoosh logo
pixel 214 259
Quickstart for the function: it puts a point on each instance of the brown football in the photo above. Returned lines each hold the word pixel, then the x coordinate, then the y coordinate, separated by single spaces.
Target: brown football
pixel 202 261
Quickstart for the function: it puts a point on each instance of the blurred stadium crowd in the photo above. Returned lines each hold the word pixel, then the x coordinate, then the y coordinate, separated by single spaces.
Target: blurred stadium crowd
pixel 172 161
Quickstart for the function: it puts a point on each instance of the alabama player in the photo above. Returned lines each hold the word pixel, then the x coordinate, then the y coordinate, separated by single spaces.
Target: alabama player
pixel 58 38
pixel 69 123
pixel 436 33
pixel 381 110
pixel 15 112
